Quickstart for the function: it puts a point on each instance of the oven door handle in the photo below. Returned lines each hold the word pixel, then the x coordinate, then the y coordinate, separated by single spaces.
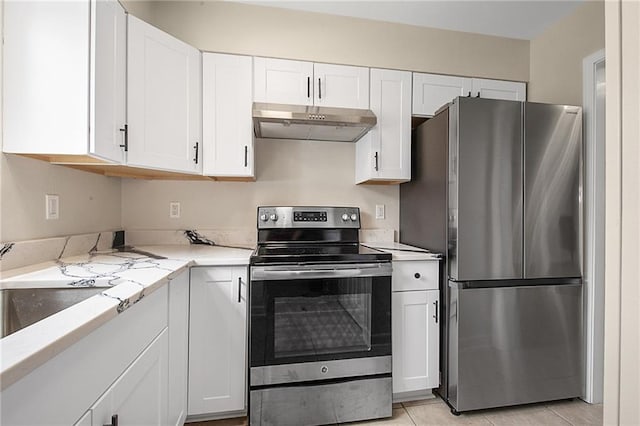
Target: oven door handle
pixel 293 272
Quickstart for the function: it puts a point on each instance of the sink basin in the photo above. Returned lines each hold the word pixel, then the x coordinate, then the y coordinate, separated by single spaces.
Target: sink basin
pixel 22 307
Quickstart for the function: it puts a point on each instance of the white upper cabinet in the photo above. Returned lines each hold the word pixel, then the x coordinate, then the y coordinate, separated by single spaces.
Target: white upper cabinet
pixel 164 105
pixel 284 81
pixel 227 128
pixel 65 78
pixel 498 89
pixel 384 154
pixel 108 94
pixel 431 91
pixel 341 86
pixel 281 81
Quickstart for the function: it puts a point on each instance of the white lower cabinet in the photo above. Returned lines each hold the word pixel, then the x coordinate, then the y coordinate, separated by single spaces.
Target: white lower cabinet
pixel 139 396
pixel 415 340
pixel 415 327
pixel 133 367
pixel 217 340
pixel 178 349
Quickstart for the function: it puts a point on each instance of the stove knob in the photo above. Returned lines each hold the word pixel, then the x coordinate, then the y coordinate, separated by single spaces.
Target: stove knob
pixel 354 217
pixel 345 217
pixel 273 217
pixel 264 217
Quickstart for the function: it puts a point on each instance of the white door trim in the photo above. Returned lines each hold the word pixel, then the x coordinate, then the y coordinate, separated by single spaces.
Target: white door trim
pixel 594 202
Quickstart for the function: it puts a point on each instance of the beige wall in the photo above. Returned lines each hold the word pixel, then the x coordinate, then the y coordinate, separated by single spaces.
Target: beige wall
pixel 557 54
pixel 265 31
pixel 88 203
pixel 288 172
pixel 622 260
pixel 297 172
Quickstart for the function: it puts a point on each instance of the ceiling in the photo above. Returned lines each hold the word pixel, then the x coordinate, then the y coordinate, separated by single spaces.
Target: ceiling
pixel 521 19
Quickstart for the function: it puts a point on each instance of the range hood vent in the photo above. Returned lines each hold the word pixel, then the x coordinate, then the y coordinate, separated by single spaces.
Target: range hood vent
pixel 279 121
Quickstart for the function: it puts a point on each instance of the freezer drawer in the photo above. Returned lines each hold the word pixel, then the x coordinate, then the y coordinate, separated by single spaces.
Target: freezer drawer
pixel 514 345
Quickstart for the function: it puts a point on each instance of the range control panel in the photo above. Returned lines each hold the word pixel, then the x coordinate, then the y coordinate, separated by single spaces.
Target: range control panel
pixel 308 217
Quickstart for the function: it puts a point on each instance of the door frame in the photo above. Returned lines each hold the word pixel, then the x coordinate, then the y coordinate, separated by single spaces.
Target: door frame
pixel 594 242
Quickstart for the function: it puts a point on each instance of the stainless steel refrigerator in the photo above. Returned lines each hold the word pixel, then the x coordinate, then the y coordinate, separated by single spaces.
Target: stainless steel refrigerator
pixel 496 187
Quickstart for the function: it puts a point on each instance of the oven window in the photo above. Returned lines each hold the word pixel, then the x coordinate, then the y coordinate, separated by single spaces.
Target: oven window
pixel 314 319
pixel 324 322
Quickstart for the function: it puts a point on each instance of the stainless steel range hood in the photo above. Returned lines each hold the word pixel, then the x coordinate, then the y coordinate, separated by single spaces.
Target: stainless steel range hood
pixel 279 121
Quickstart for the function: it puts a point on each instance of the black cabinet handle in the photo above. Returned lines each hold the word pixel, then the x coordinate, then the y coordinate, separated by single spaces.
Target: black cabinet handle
pixel 246 153
pixel 125 145
pixel 417 275
pixel 319 89
pixel 308 87
pixel 239 289
pixel 435 316
pixel 376 158
pixel 114 420
pixel 195 159
pixel 469 95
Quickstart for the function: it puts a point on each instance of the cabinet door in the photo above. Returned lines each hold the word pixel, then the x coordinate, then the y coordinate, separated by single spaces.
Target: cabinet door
pixel 391 137
pixel 164 100
pixel 108 73
pixel 497 89
pixel 282 81
pixel 340 86
pixel 45 77
pixel 139 396
pixel 227 128
pixel 178 348
pixel 431 91
pixel 217 340
pixel 415 340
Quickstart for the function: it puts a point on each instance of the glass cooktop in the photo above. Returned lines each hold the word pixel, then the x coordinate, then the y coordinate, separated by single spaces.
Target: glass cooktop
pixel 309 253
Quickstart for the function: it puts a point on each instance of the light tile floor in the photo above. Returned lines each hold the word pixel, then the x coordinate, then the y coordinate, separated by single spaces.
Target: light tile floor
pixel 435 412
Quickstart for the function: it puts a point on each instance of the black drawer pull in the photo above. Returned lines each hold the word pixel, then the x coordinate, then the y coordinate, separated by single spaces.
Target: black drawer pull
pixel 417 275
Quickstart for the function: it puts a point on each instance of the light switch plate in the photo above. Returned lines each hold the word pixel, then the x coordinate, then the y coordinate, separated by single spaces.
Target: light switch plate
pixel 174 210
pixel 52 206
pixel 379 211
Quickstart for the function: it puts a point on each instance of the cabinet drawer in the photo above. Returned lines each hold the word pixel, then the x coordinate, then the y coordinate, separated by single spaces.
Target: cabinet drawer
pixel 414 275
pixel 212 274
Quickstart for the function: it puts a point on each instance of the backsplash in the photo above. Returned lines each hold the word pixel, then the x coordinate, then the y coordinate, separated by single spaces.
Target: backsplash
pixel 19 254
pixel 30 252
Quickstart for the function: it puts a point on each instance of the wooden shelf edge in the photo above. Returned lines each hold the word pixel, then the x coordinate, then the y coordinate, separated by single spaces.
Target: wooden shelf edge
pixel 95 165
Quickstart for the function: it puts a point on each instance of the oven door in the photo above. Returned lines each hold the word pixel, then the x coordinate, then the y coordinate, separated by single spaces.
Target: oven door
pixel 318 313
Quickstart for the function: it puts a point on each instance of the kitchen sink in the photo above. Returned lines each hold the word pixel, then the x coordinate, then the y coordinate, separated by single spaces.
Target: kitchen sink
pixel 22 307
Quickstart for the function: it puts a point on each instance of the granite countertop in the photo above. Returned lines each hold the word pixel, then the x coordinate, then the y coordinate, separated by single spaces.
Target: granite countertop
pixel 401 251
pixel 126 277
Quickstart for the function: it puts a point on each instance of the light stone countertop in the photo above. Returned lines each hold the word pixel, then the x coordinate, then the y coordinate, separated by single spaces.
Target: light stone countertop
pixel 401 251
pixel 126 278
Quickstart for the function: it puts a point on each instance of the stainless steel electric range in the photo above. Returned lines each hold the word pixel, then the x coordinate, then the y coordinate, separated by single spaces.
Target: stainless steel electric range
pixel 320 320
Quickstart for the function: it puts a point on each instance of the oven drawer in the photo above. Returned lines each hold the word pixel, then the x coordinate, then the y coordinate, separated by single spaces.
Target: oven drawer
pixel 412 275
pixel 317 404
pixel 319 370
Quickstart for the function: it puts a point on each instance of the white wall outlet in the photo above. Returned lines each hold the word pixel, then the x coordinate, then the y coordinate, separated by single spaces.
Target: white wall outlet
pixel 52 206
pixel 379 211
pixel 174 210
